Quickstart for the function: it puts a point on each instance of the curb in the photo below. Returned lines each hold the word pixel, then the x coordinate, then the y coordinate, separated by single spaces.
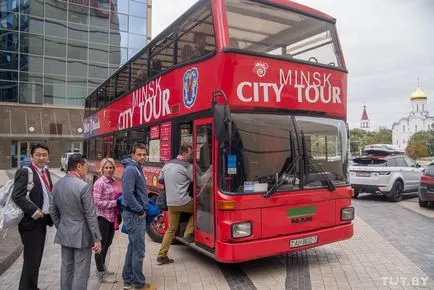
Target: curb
pixel 12 252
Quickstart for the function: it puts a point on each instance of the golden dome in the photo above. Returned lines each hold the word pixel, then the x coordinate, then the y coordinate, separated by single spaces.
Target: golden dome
pixel 418 94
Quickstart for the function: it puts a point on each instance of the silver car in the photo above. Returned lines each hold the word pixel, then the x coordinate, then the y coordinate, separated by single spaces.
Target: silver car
pixel 64 160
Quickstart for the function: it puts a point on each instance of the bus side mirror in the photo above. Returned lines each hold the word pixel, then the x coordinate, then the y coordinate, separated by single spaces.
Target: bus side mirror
pixel 222 117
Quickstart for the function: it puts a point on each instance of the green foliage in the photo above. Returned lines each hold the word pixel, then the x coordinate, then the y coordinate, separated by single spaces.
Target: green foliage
pixel 426 138
pixel 359 138
pixel 416 149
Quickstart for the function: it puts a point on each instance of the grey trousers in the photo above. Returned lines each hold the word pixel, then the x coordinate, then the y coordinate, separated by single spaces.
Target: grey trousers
pixel 75 269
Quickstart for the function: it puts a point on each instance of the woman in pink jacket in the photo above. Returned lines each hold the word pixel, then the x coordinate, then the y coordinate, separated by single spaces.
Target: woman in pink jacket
pixel 105 194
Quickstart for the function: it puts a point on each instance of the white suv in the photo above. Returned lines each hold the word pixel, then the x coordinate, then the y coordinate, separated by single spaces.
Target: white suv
pixel 64 160
pixel 390 175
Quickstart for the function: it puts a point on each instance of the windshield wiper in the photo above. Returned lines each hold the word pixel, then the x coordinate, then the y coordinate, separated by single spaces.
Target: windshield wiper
pixel 288 170
pixel 311 164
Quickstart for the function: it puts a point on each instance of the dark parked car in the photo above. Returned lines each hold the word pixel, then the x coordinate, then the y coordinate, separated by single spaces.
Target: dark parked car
pixel 426 187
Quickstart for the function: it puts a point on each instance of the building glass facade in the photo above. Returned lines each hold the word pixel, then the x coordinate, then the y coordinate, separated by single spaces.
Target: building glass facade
pixel 53 53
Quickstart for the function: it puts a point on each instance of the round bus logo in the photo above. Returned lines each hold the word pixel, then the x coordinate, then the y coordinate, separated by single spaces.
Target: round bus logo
pixel 191 84
pixel 260 69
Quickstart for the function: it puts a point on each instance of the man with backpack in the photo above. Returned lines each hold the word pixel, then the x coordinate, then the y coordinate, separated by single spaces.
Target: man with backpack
pixel 33 226
pixel 177 176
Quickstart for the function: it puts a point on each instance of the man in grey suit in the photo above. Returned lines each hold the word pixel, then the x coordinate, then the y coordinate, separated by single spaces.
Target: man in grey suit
pixel 74 216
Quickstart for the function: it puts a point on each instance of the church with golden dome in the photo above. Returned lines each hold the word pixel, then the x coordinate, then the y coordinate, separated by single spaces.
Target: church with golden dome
pixel 418 120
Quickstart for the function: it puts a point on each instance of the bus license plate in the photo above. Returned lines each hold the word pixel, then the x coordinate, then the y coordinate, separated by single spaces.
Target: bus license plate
pixel 303 242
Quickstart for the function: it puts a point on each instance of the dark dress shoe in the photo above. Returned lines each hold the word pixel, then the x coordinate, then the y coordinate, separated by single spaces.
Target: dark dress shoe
pixel 164 260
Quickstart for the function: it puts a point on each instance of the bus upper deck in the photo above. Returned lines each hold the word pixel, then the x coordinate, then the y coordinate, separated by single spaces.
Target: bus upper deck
pixel 271 31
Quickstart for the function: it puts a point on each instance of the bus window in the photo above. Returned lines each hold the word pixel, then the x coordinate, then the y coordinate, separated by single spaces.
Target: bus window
pixel 139 69
pixel 93 103
pixel 124 141
pixel 136 136
pixel 86 148
pixel 204 196
pixel 91 149
pixel 99 144
pixel 325 147
pixel 87 106
pixel 123 81
pixel 107 147
pixel 196 36
pixel 271 30
pixel 162 54
pixel 260 149
pixel 186 130
pixel 110 90
pixel 120 150
pixel 156 67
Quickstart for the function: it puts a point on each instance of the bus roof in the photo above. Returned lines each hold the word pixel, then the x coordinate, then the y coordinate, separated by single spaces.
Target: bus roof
pixel 297 7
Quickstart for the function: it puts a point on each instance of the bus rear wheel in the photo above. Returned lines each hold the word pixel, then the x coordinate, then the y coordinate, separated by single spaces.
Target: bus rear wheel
pixel 158 227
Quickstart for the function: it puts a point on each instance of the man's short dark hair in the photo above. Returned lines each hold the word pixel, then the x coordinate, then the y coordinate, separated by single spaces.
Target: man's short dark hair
pixel 138 146
pixel 74 160
pixel 38 146
pixel 184 148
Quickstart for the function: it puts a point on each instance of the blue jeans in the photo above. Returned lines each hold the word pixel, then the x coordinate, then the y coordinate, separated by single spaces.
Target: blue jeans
pixel 133 268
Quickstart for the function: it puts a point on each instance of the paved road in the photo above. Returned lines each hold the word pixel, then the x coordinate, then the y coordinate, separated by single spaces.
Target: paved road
pixel 392 249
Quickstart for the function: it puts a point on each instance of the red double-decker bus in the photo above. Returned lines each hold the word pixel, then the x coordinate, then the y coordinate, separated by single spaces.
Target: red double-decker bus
pixel 258 88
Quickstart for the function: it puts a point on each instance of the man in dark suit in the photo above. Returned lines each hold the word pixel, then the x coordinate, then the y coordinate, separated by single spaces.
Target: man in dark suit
pixel 75 218
pixel 33 226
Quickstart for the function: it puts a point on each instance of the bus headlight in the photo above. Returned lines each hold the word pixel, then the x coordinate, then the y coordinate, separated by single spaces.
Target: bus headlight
pixel 241 230
pixel 347 214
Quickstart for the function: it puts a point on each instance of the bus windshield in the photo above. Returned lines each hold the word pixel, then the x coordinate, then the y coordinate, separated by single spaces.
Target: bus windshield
pixel 264 146
pixel 259 28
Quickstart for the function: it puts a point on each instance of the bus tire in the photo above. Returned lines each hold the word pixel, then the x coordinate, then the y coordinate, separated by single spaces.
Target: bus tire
pixel 152 229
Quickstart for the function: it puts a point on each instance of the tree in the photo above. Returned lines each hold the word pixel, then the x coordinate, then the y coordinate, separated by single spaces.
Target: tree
pixel 359 138
pixel 416 149
pixel 356 136
pixel 384 135
pixel 426 138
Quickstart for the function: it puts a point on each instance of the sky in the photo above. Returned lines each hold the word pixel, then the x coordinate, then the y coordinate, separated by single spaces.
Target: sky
pixel 387 46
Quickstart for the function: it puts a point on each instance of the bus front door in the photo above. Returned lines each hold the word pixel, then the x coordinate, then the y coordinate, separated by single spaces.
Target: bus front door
pixel 203 189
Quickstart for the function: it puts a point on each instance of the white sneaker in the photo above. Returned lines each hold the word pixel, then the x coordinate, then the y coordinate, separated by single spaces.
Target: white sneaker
pixel 103 278
pixel 107 272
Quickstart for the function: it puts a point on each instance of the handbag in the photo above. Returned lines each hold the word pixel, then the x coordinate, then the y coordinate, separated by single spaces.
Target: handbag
pixel 10 213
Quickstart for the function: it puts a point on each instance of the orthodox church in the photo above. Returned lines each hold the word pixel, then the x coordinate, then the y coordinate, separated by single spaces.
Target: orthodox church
pixel 364 121
pixel 418 120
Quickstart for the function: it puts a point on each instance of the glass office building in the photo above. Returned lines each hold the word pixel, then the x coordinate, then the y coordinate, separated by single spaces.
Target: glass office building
pixel 53 53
